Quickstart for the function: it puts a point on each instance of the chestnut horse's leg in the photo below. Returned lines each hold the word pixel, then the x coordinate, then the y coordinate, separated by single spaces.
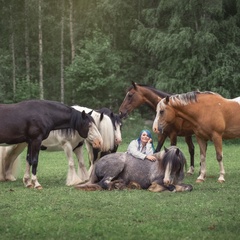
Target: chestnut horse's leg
pixel 188 140
pixel 203 147
pixel 217 140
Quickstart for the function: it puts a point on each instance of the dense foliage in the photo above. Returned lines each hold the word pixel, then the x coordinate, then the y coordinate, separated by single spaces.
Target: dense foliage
pixel 176 46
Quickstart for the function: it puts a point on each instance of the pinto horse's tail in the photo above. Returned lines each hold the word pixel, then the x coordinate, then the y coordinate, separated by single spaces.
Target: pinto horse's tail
pixel 9 167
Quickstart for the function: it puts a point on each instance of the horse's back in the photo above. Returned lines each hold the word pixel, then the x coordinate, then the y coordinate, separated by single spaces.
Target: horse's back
pixel 124 166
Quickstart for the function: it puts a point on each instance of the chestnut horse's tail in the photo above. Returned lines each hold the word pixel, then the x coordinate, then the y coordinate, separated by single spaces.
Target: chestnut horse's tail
pixel 9 168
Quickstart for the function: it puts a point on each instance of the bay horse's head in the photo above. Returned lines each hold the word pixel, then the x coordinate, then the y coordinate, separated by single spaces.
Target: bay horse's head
pixel 132 100
pixel 173 163
pixel 165 115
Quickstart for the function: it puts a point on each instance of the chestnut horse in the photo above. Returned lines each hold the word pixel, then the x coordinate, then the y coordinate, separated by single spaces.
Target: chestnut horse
pixel 212 117
pixel 122 170
pixel 139 94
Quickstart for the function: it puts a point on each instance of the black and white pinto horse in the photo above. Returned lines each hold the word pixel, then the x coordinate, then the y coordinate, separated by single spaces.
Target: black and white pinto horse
pixel 59 140
pixel 122 170
pixel 30 122
pixel 111 134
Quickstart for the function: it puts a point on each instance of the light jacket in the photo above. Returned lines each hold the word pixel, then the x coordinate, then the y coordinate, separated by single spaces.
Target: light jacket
pixel 139 151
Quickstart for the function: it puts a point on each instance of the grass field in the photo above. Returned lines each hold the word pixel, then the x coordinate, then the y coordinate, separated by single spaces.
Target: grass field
pixel 210 211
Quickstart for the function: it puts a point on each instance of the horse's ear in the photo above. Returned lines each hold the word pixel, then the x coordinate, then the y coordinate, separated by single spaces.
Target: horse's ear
pixel 165 149
pixel 84 114
pixel 90 113
pixel 111 115
pixel 177 151
pixel 101 117
pixel 159 99
pixel 134 85
pixel 167 99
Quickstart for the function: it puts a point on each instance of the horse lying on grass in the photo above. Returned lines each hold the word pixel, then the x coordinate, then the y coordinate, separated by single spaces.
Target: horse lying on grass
pixel 122 170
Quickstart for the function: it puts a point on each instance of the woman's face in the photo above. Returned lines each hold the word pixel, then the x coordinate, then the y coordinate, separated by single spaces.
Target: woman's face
pixel 144 138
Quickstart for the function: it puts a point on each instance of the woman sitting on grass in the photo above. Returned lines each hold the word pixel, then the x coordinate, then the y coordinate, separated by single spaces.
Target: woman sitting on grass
pixel 142 147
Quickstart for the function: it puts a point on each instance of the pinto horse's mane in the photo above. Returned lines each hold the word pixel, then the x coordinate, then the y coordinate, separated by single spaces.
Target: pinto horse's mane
pixel 154 90
pixel 186 98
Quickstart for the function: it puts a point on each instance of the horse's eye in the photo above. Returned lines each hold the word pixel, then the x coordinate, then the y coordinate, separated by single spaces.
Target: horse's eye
pixel 161 112
pixel 130 96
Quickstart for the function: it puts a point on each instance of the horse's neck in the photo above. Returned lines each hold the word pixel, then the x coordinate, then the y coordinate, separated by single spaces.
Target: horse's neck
pixel 151 98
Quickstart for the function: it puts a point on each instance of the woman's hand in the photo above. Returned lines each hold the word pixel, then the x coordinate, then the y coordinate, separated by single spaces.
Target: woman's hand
pixel 149 140
pixel 151 158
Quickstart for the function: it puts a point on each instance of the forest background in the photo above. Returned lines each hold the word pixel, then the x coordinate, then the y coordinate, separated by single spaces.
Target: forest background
pixel 87 52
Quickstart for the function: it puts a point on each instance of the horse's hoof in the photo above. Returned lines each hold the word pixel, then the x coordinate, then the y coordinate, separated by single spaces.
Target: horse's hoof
pixel 199 181
pixel 189 188
pixel 221 181
pixel 189 174
pixel 29 186
pixel 11 179
pixel 39 187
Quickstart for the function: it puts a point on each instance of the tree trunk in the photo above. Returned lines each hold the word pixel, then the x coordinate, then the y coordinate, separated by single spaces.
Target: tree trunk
pixel 71 40
pixel 27 43
pixel 71 29
pixel 13 52
pixel 62 53
pixel 41 90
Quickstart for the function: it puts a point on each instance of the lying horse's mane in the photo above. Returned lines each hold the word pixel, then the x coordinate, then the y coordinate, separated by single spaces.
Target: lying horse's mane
pixel 173 156
pixel 186 98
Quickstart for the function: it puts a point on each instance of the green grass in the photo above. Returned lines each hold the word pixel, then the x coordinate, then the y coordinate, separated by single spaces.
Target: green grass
pixel 210 211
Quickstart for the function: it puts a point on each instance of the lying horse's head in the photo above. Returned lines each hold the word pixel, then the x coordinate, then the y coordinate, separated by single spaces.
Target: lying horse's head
pixel 172 162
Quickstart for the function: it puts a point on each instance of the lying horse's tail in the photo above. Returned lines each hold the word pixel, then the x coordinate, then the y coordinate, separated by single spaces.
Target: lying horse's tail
pixel 91 184
pixel 88 187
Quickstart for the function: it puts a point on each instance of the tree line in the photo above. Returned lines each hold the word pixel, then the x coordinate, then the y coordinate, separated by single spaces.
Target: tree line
pixel 87 52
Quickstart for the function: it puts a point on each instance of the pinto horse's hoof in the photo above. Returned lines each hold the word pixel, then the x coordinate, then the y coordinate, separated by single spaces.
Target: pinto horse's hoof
pixel 199 181
pixel 221 181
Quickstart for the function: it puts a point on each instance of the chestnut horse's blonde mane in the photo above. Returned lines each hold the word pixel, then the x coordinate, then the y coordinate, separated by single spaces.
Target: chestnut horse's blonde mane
pixel 186 98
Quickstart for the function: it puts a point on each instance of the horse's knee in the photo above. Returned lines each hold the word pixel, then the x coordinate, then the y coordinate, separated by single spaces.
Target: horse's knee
pixel 219 157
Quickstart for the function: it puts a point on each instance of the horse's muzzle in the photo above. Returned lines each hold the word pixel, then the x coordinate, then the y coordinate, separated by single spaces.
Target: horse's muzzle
pixel 97 144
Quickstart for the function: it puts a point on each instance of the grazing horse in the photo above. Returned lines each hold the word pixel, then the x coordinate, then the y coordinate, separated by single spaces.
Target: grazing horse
pixel 122 170
pixel 139 94
pixel 212 117
pixel 31 122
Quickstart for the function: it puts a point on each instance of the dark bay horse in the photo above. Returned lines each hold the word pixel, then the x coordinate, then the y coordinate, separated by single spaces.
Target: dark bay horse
pixel 139 94
pixel 122 170
pixel 31 122
pixel 212 117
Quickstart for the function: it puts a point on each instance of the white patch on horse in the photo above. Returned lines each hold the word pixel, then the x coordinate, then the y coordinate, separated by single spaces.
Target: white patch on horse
pixel 237 99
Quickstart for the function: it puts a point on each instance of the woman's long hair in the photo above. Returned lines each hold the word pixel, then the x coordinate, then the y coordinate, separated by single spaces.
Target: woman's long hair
pixel 148 134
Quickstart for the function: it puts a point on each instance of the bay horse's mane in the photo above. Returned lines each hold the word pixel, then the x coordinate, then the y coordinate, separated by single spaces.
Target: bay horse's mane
pixel 156 91
pixel 187 98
